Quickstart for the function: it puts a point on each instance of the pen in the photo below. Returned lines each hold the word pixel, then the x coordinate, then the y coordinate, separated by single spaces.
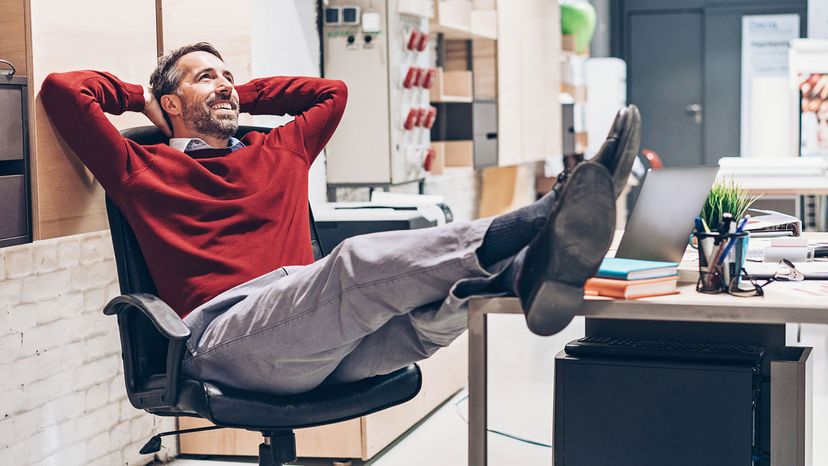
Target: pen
pixel 732 241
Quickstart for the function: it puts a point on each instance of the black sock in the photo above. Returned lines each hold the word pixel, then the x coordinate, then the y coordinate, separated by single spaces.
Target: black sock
pixel 511 232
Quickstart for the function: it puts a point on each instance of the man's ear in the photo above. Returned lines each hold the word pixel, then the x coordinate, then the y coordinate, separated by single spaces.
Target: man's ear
pixel 171 104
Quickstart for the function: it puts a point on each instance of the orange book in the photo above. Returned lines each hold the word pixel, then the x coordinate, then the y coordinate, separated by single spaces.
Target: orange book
pixel 631 289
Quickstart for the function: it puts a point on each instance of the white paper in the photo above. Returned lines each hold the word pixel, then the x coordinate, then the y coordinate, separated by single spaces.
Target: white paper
pixel 765 44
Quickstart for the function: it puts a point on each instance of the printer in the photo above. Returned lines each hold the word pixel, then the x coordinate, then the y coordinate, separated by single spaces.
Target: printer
pixel 336 221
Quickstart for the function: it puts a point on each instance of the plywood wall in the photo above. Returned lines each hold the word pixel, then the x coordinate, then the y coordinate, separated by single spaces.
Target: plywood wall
pixel 119 36
pixel 112 35
pixel 13 34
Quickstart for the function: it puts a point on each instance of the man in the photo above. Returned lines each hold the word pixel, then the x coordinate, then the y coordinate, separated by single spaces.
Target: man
pixel 223 227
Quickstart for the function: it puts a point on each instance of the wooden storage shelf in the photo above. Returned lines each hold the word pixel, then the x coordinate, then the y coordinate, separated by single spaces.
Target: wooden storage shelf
pixel 452 86
pixel 484 24
pixel 453 153
pixel 452 18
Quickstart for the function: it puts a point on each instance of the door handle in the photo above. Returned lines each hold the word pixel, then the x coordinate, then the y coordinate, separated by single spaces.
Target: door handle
pixel 696 111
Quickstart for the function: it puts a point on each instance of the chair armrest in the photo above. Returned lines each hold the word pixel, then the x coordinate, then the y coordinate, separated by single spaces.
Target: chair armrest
pixel 152 375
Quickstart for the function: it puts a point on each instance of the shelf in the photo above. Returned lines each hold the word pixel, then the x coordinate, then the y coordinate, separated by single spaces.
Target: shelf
pixel 452 86
pixel 484 24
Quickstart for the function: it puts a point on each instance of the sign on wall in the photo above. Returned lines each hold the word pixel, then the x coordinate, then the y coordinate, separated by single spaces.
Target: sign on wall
pixel 765 45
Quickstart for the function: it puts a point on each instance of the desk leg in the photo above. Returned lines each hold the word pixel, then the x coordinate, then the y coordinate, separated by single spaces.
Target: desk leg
pixel 477 388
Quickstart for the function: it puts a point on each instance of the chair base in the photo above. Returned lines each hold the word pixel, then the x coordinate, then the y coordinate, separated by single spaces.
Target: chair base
pixel 278 448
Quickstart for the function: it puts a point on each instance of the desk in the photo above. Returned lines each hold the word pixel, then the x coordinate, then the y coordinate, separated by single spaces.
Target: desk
pixel 770 312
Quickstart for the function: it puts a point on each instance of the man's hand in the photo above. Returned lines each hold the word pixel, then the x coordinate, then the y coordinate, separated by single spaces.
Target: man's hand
pixel 152 109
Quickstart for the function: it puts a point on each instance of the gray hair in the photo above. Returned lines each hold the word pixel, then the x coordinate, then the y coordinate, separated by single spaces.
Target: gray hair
pixel 166 77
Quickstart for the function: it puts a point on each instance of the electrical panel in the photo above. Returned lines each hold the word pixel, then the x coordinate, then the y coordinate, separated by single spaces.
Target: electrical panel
pixel 381 49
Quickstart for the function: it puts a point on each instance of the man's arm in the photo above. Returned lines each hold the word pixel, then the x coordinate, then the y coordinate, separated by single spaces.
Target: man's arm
pixel 317 104
pixel 76 102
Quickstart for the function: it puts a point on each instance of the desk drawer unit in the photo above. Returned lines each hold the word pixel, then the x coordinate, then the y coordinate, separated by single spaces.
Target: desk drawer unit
pixel 652 413
pixel 14 168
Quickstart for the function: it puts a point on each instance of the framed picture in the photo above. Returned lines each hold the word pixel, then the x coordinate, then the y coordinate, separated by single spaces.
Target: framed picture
pixel 813 114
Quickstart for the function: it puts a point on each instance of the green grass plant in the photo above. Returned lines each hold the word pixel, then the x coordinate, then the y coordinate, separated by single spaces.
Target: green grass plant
pixel 726 196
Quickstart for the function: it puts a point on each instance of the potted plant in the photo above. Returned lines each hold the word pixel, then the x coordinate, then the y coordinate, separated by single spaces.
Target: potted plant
pixel 726 196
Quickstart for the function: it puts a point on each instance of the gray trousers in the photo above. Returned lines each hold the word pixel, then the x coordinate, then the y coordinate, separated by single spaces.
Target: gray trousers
pixel 377 303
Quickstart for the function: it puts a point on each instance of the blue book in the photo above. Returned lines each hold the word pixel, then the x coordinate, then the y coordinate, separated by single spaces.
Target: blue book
pixel 633 269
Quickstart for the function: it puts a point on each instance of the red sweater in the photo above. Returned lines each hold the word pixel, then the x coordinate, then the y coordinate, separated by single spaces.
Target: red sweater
pixel 205 224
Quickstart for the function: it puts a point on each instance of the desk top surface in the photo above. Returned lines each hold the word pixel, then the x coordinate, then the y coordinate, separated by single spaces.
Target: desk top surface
pixel 803 302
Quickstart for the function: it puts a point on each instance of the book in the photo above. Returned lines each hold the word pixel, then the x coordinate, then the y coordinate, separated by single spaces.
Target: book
pixel 634 269
pixel 631 289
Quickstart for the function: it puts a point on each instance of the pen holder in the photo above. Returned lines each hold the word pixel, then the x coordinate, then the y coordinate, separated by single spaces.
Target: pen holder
pixel 717 274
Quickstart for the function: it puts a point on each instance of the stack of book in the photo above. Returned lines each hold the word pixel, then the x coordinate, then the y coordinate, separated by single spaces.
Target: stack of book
pixel 633 278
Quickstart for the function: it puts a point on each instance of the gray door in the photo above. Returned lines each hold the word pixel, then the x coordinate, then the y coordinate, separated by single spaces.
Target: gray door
pixel 664 72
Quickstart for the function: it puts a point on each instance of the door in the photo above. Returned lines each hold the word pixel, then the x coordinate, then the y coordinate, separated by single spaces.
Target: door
pixel 684 71
pixel 664 51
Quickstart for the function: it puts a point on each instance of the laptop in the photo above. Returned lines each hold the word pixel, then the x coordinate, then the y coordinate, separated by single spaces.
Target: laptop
pixel 664 214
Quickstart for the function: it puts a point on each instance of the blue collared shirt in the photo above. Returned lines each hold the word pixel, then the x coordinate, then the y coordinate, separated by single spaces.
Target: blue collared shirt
pixel 196 144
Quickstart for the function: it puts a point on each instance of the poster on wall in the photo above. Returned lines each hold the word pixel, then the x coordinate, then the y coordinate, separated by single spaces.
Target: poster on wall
pixel 765 45
pixel 813 114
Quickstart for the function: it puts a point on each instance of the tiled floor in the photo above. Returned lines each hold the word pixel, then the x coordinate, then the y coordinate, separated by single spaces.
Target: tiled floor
pixel 520 394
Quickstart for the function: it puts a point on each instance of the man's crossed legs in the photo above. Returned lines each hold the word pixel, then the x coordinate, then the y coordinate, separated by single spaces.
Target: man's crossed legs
pixel 382 301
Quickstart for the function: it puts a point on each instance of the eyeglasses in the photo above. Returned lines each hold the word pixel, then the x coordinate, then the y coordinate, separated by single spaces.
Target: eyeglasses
pixel 785 272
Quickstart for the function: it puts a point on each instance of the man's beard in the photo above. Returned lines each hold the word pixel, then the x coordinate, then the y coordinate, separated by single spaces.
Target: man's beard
pixel 198 116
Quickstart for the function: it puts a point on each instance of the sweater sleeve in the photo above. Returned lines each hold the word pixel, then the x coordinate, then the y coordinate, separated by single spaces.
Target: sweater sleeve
pixel 317 104
pixel 76 102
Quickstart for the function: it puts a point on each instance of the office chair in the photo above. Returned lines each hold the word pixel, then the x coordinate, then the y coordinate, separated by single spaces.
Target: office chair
pixel 153 341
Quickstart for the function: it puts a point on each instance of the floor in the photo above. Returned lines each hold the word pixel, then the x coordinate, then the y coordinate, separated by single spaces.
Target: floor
pixel 520 394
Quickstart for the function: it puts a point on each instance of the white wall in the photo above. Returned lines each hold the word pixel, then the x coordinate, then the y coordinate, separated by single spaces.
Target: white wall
pixel 62 395
pixel 818 19
pixel 285 42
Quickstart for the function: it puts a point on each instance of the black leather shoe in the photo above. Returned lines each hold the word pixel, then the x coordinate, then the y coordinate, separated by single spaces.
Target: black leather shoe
pixel 618 152
pixel 549 274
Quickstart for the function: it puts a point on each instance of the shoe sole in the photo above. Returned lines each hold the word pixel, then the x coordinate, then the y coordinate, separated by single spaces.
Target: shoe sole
pixel 575 240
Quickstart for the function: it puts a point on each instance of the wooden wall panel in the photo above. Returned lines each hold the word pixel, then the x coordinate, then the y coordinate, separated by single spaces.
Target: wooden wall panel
pixel 13 34
pixel 113 35
pixel 185 22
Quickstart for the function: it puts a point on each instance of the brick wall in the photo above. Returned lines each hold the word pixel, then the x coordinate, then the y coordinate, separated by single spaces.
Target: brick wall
pixel 62 395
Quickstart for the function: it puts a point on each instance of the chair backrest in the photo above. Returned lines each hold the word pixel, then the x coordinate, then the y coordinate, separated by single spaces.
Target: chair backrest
pixel 133 274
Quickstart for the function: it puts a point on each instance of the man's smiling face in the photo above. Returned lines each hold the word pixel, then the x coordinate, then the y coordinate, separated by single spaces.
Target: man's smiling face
pixel 210 103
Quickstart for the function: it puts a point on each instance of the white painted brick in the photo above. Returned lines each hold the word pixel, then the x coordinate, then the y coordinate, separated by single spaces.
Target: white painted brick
pixel 131 456
pixel 96 371
pixel 22 317
pixel 117 389
pixel 92 276
pixel 11 346
pixel 14 454
pixel 93 423
pixel 120 435
pixel 111 459
pixel 43 443
pixel 69 406
pixel 96 249
pixel 19 261
pixel 11 402
pixel 73 354
pixel 127 411
pixel 45 398
pixel 45 256
pixel 72 455
pixel 97 396
pixel 10 291
pixel 6 433
pixel 99 445
pixel 43 337
pixel 142 427
pixel 47 286
pixel 2 266
pixel 69 252
pixel 70 305
pixel 99 346
pixel 48 311
pixel 7 381
pixel 94 300
pixel 113 290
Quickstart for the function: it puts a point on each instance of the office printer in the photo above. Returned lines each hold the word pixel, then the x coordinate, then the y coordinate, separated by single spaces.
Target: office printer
pixel 337 221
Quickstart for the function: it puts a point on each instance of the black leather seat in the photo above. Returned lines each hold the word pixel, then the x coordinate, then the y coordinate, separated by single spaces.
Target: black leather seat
pixel 153 341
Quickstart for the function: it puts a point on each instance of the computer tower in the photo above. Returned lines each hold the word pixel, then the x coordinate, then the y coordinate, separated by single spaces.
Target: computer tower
pixel 639 412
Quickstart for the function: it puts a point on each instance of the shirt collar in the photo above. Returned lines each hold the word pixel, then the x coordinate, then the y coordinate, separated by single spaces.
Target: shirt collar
pixel 195 144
